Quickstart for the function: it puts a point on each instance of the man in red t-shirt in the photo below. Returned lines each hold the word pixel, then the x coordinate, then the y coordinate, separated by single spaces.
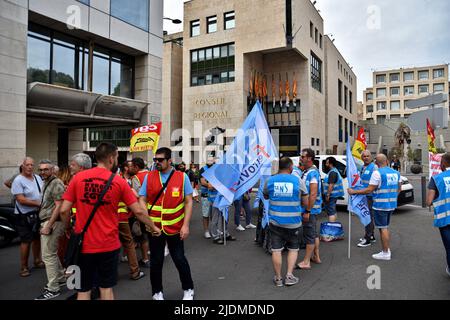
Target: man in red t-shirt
pixel 101 245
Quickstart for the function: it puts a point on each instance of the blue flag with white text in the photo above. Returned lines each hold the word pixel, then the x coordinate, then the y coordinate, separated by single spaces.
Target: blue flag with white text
pixel 356 203
pixel 240 167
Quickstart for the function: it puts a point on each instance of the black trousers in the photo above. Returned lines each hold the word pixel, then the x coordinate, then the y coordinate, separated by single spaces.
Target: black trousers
pixel 176 249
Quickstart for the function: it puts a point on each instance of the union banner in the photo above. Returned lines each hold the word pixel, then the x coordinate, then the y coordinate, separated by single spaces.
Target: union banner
pixel 145 138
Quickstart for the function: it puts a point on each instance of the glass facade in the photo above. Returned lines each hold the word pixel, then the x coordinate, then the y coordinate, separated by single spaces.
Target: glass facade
pixel 213 65
pixel 134 12
pixel 119 136
pixel 61 60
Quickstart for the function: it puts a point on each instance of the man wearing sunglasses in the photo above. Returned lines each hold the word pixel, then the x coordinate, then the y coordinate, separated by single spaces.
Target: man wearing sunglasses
pixel 168 196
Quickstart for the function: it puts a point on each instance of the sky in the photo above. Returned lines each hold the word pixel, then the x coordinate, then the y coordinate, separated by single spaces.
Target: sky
pixel 375 34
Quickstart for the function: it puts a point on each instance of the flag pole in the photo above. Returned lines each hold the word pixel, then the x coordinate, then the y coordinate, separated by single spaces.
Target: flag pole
pixel 349 232
pixel 224 229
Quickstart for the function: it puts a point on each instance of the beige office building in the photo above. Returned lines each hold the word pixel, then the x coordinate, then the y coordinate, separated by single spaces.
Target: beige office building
pixel 225 43
pixel 393 88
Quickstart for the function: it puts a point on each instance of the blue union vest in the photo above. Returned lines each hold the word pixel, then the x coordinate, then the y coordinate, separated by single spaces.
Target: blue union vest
pixel 366 174
pixel 307 176
pixel 442 203
pixel 338 189
pixel 385 197
pixel 284 201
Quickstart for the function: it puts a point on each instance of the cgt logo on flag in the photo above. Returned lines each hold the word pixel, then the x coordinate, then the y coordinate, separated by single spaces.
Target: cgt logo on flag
pixel 355 180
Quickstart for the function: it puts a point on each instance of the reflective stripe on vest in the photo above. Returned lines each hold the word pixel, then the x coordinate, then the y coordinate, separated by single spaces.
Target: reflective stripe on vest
pixel 385 197
pixel 284 203
pixel 307 176
pixel 338 188
pixel 168 211
pixel 442 203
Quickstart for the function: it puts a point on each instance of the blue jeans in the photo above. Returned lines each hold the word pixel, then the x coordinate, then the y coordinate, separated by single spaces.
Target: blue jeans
pixel 382 218
pixel 331 207
pixel 445 234
pixel 238 204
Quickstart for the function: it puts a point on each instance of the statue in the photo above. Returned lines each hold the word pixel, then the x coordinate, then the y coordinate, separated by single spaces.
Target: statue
pixel 403 140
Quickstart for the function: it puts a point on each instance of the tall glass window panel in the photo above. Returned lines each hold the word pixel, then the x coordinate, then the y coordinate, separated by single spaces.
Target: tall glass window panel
pixel 424 89
pixel 395 92
pixel 100 83
pixel 63 73
pixel 229 20
pixel 134 12
pixel 424 75
pixel 439 87
pixel 395 105
pixel 438 73
pixel 408 76
pixel 38 60
pixel 195 28
pixel 211 23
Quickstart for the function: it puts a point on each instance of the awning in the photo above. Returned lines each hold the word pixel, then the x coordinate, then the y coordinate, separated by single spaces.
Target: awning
pixel 76 108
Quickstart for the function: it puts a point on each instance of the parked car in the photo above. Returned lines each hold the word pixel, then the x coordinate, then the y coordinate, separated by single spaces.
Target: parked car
pixel 405 196
pixel 8 231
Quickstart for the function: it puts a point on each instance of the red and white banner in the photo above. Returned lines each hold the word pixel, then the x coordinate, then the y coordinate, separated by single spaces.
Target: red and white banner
pixel 435 163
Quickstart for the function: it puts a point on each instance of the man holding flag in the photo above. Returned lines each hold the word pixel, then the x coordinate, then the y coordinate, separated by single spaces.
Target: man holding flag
pixel 385 185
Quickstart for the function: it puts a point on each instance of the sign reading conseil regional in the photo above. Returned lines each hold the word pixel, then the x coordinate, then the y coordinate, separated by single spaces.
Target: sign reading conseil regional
pixel 145 138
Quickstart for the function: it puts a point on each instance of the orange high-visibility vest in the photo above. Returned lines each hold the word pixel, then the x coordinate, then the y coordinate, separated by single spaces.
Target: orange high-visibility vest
pixel 168 211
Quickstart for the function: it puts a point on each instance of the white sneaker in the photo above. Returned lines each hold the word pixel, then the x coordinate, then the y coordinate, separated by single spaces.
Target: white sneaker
pixel 124 259
pixel 240 228
pixel 250 226
pixel 207 235
pixel 158 296
pixel 382 256
pixel 188 294
pixel 166 251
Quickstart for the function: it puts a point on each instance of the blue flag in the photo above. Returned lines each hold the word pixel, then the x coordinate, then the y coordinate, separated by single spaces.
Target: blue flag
pixel 265 174
pixel 240 168
pixel 356 203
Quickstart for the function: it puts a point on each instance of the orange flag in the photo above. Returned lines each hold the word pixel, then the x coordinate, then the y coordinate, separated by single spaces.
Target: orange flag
pixel 264 89
pixel 281 89
pixel 251 84
pixel 360 144
pixel 431 138
pixel 256 86
pixel 294 88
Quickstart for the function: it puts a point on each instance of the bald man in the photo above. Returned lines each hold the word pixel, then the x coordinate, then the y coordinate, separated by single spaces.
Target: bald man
pixel 385 185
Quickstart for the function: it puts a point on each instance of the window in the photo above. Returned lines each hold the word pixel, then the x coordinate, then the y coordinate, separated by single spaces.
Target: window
pixel 350 100
pixel 321 41
pixel 395 92
pixel 381 78
pixel 229 20
pixel 195 28
pixel 409 91
pixel 134 12
pixel 369 96
pixel 316 35
pixel 438 87
pixel 63 71
pixel 316 72
pixel 381 106
pixel 438 73
pixel 351 129
pixel 311 29
pixel 346 130
pixel 211 23
pixel 340 129
pixel 340 93
pixel 424 75
pixel 369 109
pixel 395 77
pixel 312 142
pixel 381 92
pixel 318 142
pixel 395 105
pixel 213 65
pixel 424 88
pixel 408 76
pixel 38 60
pixel 345 97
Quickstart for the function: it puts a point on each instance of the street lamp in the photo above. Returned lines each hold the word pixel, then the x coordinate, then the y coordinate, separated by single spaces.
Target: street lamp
pixel 174 21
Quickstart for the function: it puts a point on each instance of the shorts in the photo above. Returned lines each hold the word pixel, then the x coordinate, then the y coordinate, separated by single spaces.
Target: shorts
pixel 382 218
pixel 98 269
pixel 310 230
pixel 28 226
pixel 281 237
pixel 330 207
pixel 206 208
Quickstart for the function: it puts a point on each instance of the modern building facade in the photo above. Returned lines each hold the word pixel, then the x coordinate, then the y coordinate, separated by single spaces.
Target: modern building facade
pixel 227 44
pixel 73 71
pixel 393 88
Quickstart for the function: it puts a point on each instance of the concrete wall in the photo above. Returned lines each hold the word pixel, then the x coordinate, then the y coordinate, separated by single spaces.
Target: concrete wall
pixel 13 77
pixel 42 141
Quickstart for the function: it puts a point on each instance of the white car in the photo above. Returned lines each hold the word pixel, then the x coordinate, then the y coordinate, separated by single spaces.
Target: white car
pixel 406 195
